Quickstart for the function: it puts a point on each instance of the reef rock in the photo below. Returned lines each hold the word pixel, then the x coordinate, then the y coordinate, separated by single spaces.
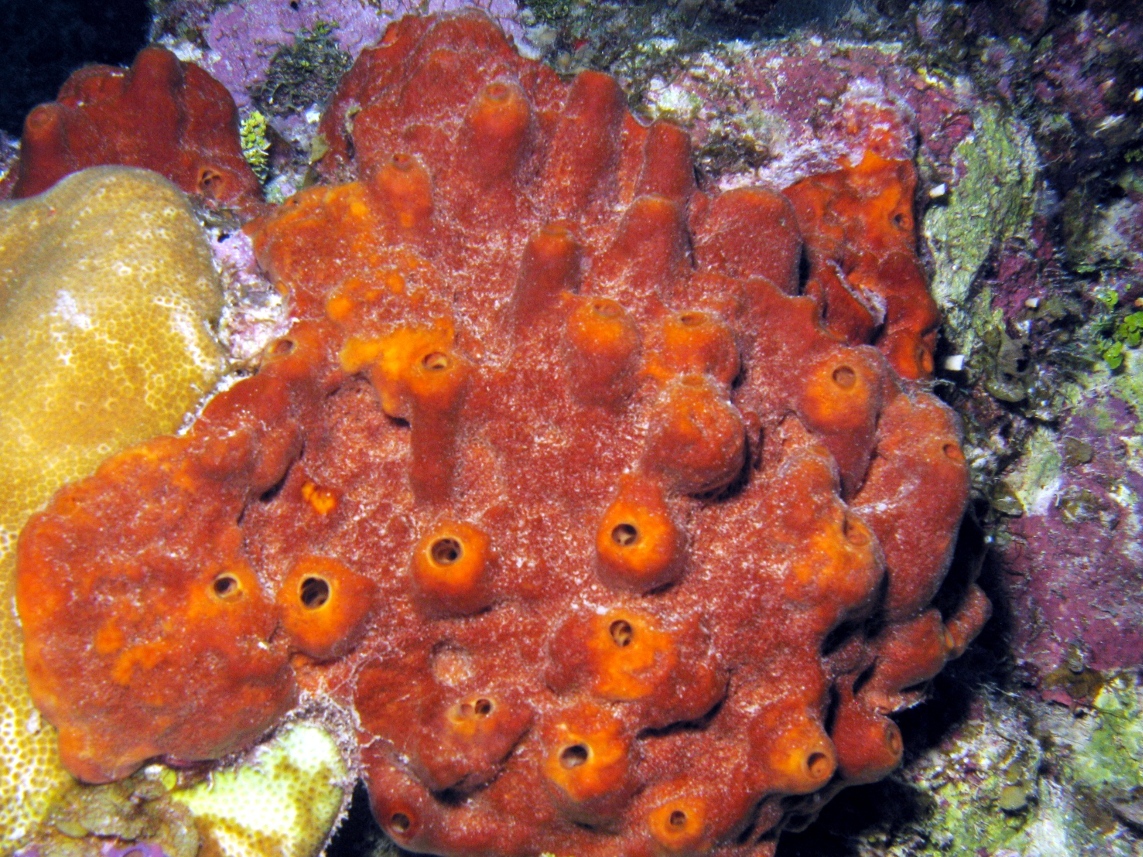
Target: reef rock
pixel 615 541
pixel 107 297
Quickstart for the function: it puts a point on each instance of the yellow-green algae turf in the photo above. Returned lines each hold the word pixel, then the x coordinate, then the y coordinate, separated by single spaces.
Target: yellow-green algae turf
pixel 107 299
pixel 281 801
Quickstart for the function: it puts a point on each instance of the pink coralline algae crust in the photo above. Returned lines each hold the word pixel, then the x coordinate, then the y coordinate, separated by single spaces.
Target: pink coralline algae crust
pixel 243 37
pixel 255 311
pixel 109 848
pixel 1074 569
pixel 1079 78
pixel 1073 75
pixel 1024 270
pixel 819 102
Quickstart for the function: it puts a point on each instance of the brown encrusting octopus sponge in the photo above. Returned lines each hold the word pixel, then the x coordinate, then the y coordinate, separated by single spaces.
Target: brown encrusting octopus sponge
pixel 617 537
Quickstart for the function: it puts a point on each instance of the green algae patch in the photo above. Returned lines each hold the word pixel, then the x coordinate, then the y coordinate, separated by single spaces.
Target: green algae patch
pixel 1032 485
pixel 1127 383
pixel 1002 786
pixel 108 299
pixel 255 145
pixel 282 801
pixel 1109 759
pixel 134 810
pixel 304 73
pixel 992 203
pixel 981 790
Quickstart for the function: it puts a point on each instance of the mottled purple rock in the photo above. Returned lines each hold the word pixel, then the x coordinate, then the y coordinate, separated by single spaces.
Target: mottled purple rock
pixel 1073 568
pixel 255 312
pixel 1087 83
pixel 1024 271
pixel 815 102
pixel 131 849
pixel 107 848
pixel 243 37
pixel 1077 75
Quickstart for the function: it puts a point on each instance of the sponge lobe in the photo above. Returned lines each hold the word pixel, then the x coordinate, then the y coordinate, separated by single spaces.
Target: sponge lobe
pixel 107 301
pixel 655 534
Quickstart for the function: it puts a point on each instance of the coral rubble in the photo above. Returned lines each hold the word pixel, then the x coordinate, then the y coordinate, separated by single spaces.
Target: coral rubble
pixel 613 541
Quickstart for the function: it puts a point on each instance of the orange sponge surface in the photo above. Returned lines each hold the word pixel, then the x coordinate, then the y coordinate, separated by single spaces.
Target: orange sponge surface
pixel 161 114
pixel 617 536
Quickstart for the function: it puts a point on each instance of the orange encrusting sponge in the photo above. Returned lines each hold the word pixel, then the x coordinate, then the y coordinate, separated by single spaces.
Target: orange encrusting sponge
pixel 161 114
pixel 616 535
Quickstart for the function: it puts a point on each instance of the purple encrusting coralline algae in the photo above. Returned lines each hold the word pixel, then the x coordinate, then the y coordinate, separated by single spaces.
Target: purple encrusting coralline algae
pixel 1024 270
pixel 1073 565
pixel 255 313
pixel 242 38
pixel 806 105
pixel 1074 76
pixel 1082 77
pixel 108 848
pixel 131 849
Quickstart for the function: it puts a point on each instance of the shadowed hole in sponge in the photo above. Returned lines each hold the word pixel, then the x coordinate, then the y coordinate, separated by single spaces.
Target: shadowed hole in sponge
pixel 605 309
pixel 969 556
pixel 854 532
pixel 399 822
pixel 621 632
pixel 314 592
pixel 226 587
pixel 573 755
pixel 838 636
pixel 480 708
pixel 832 705
pixel 844 377
pixel 625 535
pixel 436 361
pixel 210 182
pixel 446 551
pixel 818 765
pixel 281 347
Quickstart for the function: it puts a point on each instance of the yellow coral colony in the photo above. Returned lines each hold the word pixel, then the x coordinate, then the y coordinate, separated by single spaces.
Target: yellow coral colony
pixel 107 298
pixel 281 801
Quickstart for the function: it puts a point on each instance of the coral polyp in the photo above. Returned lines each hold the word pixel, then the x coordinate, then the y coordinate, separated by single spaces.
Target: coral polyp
pixel 616 536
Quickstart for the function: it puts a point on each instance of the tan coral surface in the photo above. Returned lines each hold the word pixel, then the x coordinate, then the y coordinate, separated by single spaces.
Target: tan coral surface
pixel 107 296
